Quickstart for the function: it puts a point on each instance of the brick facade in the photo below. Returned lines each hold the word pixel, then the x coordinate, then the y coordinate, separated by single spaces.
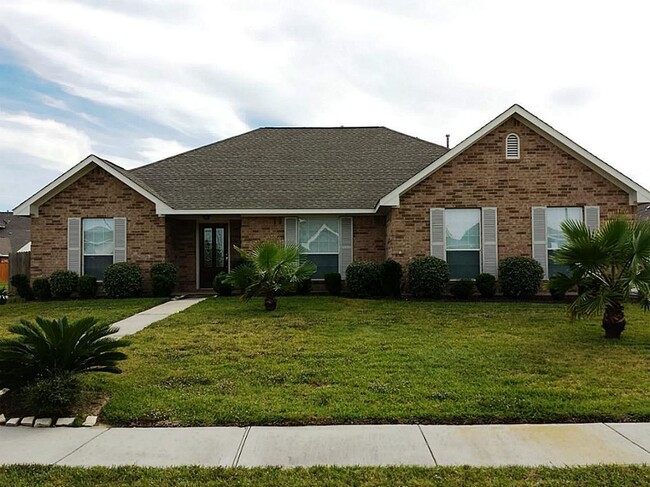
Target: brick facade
pixel 369 238
pixel 481 176
pixel 256 229
pixel 96 195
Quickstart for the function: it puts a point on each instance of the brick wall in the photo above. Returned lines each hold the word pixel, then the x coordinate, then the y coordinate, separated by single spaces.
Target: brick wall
pixel 481 176
pixel 96 195
pixel 256 229
pixel 369 238
pixel 181 251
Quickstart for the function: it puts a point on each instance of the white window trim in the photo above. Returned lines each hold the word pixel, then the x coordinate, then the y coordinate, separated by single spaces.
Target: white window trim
pixel 310 252
pixel 515 158
pixel 480 241
pixel 83 239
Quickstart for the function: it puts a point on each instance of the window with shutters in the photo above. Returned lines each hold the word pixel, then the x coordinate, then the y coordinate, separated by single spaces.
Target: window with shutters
pixel 318 239
pixel 98 246
pixel 555 237
pixel 463 242
pixel 512 146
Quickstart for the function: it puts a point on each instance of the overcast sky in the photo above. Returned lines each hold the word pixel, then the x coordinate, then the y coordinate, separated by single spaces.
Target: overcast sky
pixel 135 81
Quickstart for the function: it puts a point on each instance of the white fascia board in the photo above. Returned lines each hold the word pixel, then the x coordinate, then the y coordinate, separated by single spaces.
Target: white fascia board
pixel 637 192
pixel 272 211
pixel 30 206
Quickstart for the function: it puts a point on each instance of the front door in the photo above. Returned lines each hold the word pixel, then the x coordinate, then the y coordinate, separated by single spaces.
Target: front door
pixel 213 253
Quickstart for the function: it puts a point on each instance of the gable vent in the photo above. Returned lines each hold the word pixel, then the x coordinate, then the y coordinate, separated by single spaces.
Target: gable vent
pixel 512 146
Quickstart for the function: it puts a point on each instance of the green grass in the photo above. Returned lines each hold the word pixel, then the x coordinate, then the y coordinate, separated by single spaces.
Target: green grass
pixel 105 310
pixel 324 360
pixel 611 476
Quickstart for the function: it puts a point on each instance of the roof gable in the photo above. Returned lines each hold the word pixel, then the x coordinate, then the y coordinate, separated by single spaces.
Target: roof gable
pixel 636 192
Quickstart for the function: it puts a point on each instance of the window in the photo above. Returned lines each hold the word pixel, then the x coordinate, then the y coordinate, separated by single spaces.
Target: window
pixel 98 246
pixel 512 146
pixel 555 237
pixel 318 239
pixel 463 243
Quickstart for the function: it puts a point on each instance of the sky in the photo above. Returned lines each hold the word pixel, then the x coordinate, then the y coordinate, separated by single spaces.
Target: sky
pixel 134 81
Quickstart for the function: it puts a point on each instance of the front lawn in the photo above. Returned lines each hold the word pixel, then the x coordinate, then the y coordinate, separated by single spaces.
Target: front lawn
pixel 322 360
pixel 610 475
pixel 105 310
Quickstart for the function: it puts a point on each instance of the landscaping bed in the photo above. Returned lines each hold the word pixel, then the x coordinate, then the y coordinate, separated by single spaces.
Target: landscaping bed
pixel 327 360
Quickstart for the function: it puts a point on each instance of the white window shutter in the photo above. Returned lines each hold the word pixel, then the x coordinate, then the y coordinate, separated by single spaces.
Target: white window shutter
pixel 437 232
pixel 592 217
pixel 345 244
pixel 489 246
pixel 119 236
pixel 74 245
pixel 290 231
pixel 540 253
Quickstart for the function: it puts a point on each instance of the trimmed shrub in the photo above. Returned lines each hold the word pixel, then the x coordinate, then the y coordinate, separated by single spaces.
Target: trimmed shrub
pixel 304 287
pixel 41 289
pixel 220 287
pixel 391 278
pixel 427 277
pixel 123 280
pixel 462 289
pixel 520 277
pixel 486 285
pixel 52 396
pixel 363 278
pixel 21 283
pixel 333 283
pixel 164 278
pixel 63 284
pixel 87 287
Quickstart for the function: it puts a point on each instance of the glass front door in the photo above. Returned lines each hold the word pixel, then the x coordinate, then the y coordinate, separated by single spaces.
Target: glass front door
pixel 213 253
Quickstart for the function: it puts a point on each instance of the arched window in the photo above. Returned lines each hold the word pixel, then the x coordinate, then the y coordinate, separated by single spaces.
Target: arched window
pixel 512 146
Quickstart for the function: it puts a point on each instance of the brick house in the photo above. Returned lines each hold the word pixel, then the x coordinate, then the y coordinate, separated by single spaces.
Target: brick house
pixel 341 194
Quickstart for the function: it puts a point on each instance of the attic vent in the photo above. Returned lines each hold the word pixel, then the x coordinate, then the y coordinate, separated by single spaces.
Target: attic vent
pixel 512 146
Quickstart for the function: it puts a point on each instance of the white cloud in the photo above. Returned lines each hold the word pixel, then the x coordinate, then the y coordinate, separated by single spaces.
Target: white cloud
pixel 154 149
pixel 210 69
pixel 55 144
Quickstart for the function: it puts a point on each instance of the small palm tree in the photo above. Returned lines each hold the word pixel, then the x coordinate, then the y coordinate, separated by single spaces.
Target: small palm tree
pixel 607 266
pixel 49 348
pixel 270 268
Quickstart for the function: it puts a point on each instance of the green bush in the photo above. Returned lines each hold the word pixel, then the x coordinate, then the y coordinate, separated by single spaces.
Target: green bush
pixel 63 284
pixel 486 285
pixel 391 278
pixel 87 287
pixel 164 278
pixel 41 289
pixel 123 280
pixel 427 277
pixel 333 283
pixel 462 289
pixel 220 287
pixel 52 347
pixel 520 277
pixel 52 396
pixel 363 278
pixel 21 283
pixel 304 287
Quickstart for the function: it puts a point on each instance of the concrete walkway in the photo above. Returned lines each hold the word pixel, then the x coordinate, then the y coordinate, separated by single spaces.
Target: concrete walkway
pixel 140 321
pixel 428 445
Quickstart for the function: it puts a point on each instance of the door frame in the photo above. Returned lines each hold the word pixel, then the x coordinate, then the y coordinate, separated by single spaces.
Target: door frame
pixel 197 251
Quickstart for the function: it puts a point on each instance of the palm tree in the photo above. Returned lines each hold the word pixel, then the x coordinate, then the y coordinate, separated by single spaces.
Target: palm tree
pixel 607 266
pixel 270 268
pixel 52 347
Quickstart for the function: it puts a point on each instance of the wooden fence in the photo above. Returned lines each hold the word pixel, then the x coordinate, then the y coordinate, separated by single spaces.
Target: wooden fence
pixel 19 263
pixel 4 271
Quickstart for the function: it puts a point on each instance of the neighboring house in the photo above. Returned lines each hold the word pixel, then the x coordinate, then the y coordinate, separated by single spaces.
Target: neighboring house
pixel 14 234
pixel 342 194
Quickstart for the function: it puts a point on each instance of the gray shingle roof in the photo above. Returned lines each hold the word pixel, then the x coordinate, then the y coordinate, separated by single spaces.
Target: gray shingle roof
pixel 290 168
pixel 14 232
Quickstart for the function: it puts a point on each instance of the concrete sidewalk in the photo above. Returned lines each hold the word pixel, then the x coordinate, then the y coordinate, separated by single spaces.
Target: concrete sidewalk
pixel 428 445
pixel 140 321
